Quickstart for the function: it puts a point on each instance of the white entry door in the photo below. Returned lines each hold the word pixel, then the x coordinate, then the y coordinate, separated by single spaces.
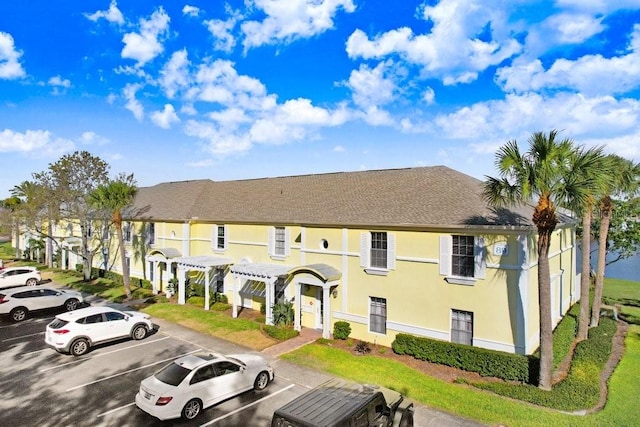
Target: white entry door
pixel 319 308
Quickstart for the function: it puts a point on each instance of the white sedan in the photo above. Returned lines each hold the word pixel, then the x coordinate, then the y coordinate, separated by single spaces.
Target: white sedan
pixel 194 382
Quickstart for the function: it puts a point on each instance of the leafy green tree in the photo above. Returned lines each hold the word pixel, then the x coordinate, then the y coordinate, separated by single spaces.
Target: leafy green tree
pixel 113 197
pixel 69 182
pixel 539 173
pixel 10 219
pixel 625 182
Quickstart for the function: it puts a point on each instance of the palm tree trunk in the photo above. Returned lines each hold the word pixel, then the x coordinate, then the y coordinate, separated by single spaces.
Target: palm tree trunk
pixel 123 261
pixel 544 297
pixel 607 210
pixel 583 320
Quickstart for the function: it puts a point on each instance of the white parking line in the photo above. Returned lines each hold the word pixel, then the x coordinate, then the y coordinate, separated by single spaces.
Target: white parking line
pixel 246 406
pixel 99 355
pixel 22 336
pixel 116 409
pixel 128 371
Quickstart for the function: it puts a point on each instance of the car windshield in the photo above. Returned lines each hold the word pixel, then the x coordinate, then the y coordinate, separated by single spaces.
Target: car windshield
pixel 172 374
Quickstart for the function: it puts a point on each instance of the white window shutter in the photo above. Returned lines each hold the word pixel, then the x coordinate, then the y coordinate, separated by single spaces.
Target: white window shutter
pixel 480 255
pixel 214 237
pixel 365 244
pixel 226 237
pixel 287 241
pixel 445 255
pixel 391 251
pixel 271 240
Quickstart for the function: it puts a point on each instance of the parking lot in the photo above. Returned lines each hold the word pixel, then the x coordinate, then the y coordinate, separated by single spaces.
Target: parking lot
pixel 40 387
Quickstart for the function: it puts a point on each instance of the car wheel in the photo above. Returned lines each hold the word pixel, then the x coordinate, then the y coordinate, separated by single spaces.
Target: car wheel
pixel 32 282
pixel 407 419
pixel 261 382
pixel 139 332
pixel 71 304
pixel 192 409
pixel 18 314
pixel 79 347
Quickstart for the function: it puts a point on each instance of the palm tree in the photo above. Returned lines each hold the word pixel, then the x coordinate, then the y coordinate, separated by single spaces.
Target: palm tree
pixel 587 176
pixel 115 196
pixel 625 180
pixel 538 173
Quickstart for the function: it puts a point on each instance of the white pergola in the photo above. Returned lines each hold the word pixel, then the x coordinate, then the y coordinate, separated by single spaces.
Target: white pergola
pixel 158 256
pixel 321 275
pixel 202 263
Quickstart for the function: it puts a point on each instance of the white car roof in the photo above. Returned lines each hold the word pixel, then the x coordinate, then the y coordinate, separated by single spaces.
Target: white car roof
pixel 192 361
pixel 7 291
pixel 22 267
pixel 70 316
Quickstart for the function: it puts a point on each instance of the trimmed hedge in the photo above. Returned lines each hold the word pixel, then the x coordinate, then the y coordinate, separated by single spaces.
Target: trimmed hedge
pixel 341 330
pixel 280 333
pixel 488 363
pixel 581 389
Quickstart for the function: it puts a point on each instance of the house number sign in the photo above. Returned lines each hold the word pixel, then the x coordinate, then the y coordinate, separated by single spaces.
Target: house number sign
pixel 501 249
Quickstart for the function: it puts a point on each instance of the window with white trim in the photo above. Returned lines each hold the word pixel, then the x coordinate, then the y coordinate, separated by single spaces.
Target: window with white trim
pixel 462 327
pixel 377 251
pixel 279 238
pixel 462 258
pixel 219 237
pixel 378 315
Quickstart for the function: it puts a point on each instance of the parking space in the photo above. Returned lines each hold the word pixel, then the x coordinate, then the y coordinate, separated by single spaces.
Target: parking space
pixel 42 387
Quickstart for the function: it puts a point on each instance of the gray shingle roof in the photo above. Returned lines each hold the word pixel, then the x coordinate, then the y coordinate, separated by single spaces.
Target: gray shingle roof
pixel 432 197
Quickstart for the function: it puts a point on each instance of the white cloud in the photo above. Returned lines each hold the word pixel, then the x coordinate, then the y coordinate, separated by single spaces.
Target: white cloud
pixel 292 19
pixel 112 14
pixel 466 37
pixel 190 10
pixel 90 137
pixel 488 125
pixel 166 117
pixel 220 142
pixel 372 87
pixel 230 117
pixel 222 33
pixel 10 67
pixel 59 81
pixel 133 104
pixel 339 149
pixel 590 74
pixel 33 141
pixel 429 96
pixel 145 46
pixel 174 76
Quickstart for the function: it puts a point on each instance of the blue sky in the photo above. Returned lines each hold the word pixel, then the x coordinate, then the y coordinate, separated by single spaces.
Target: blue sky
pixel 174 90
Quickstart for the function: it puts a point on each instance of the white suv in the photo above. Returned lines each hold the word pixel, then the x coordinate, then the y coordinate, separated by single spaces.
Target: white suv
pixel 19 276
pixel 76 332
pixel 18 302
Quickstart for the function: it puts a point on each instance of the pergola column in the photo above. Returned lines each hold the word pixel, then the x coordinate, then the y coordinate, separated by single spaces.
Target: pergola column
pixel 268 297
pixel 156 277
pixel 181 283
pixel 234 297
pixel 326 304
pixel 207 282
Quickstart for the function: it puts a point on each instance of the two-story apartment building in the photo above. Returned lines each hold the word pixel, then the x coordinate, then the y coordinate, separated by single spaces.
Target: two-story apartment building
pixel 412 250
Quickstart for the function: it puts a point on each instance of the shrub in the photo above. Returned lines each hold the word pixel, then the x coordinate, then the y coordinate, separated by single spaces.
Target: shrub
pixel 581 388
pixel 220 297
pixel 362 347
pixel 282 312
pixel 341 330
pixel 280 333
pixel 263 308
pixel 488 363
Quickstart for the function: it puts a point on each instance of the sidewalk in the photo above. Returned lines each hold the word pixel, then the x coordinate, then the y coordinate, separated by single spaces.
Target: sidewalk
pixel 306 336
